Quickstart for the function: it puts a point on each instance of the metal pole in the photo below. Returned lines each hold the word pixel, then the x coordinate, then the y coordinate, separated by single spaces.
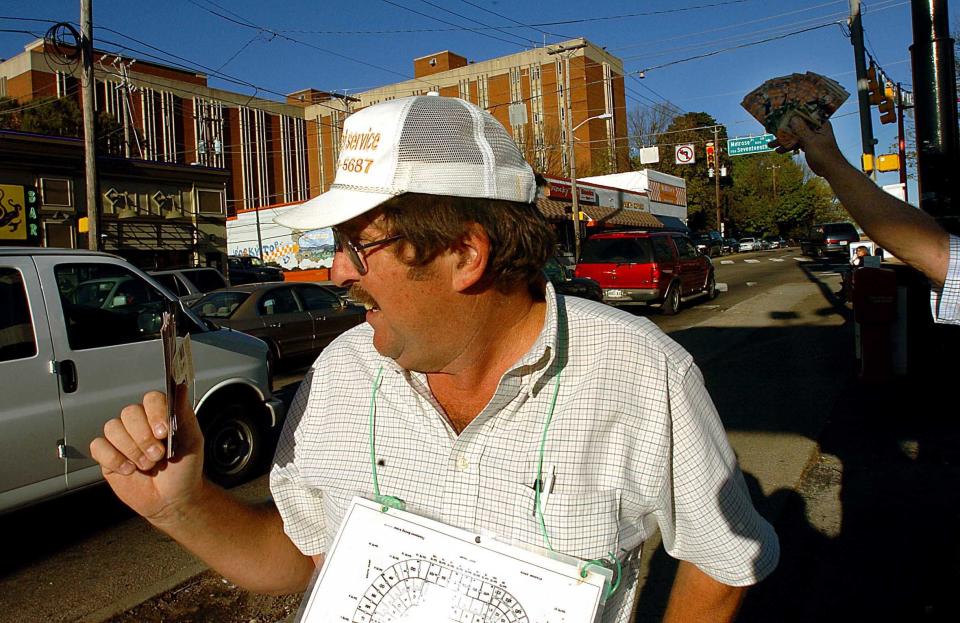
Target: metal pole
pixel 89 137
pixel 863 93
pixel 574 193
pixel 571 153
pixel 935 107
pixel 716 171
pixel 901 141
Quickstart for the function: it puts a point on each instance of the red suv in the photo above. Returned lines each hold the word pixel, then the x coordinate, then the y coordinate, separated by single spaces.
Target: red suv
pixel 647 267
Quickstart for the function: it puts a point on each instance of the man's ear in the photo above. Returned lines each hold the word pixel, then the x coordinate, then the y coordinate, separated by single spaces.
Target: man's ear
pixel 472 255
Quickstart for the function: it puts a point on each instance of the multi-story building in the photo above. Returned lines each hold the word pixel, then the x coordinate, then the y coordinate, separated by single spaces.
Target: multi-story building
pixel 164 118
pixel 265 153
pixel 527 92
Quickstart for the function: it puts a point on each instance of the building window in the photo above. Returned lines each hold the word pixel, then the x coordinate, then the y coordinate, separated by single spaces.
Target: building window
pixel 210 201
pixel 59 235
pixel 56 193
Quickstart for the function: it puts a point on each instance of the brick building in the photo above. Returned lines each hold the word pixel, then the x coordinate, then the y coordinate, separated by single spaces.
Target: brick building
pixel 526 92
pixel 271 153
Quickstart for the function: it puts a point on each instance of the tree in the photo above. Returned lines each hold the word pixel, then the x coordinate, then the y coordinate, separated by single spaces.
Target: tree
pixel 775 194
pixel 695 128
pixel 61 116
pixel 644 125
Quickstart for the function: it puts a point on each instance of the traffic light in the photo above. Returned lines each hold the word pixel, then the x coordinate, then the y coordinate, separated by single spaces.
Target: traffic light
pixel 711 156
pixel 888 112
pixel 873 85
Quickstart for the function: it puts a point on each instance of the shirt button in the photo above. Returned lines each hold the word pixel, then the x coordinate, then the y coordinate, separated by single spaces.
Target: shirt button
pixel 462 463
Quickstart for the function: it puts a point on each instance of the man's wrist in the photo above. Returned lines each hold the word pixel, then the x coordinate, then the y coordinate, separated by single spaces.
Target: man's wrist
pixel 184 509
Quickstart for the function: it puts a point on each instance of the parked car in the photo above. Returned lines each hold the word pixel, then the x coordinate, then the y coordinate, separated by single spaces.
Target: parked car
pixel 731 245
pixel 772 242
pixel 749 244
pixel 190 284
pixel 249 269
pixel 710 243
pixel 569 285
pixel 80 340
pixel 829 239
pixel 649 267
pixel 294 318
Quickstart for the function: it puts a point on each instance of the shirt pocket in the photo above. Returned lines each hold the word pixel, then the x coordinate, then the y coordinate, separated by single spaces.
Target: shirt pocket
pixel 585 525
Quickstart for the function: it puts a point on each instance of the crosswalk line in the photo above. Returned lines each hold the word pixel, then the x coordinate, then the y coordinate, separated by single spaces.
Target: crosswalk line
pixel 802 259
pixel 775 259
pixel 727 262
pixel 751 261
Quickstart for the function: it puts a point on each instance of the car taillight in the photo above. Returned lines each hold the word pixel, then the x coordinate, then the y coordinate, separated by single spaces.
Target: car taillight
pixel 832 241
pixel 655 274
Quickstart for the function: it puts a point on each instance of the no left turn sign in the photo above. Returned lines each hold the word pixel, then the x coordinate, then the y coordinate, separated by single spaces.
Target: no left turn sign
pixel 685 154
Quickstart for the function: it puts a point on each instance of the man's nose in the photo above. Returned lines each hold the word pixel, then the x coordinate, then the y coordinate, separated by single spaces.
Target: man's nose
pixel 343 273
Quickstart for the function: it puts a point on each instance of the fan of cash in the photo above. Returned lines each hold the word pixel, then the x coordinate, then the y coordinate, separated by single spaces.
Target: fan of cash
pixel 776 101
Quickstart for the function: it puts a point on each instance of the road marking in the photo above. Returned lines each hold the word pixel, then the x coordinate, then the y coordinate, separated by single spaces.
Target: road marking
pixel 775 259
pixel 721 287
pixel 727 262
pixel 803 259
pixel 752 261
pixel 750 284
pixel 707 307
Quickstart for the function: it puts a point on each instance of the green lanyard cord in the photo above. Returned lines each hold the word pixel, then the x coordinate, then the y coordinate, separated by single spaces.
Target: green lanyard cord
pixel 386 501
pixel 538 483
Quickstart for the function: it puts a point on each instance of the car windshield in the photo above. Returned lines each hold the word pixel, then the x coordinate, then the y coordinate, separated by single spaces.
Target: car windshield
pixel 205 280
pixel 616 251
pixel 254 261
pixel 219 304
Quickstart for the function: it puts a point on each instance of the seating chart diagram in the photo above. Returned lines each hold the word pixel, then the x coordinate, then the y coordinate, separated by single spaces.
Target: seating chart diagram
pixel 410 589
pixel 393 566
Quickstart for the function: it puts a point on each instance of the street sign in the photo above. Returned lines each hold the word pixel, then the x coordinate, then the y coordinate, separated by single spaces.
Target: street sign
pixel 749 145
pixel 684 154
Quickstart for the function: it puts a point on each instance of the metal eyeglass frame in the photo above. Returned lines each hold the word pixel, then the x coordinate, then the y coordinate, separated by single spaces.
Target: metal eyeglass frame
pixel 354 251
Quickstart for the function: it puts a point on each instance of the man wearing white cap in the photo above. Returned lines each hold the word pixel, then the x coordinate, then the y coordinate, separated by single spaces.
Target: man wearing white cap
pixel 472 389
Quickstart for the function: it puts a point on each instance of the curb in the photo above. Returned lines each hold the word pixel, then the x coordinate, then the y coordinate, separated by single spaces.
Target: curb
pixel 146 593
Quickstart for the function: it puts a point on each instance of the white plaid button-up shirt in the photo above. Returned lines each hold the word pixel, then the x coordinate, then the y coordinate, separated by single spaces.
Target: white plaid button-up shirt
pixel 635 443
pixel 946 303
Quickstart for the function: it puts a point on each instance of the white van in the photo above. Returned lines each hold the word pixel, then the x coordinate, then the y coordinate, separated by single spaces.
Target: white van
pixel 79 340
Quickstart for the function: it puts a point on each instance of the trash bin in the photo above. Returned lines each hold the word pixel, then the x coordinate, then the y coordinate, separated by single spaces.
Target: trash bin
pixel 874 312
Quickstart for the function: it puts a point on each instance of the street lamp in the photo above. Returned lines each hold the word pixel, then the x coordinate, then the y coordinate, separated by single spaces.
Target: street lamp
pixel 573 178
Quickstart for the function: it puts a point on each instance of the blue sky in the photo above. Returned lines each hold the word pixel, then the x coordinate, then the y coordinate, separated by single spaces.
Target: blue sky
pixel 353 46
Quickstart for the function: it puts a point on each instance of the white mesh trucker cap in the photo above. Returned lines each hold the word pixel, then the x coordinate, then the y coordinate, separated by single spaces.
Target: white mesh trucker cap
pixel 424 144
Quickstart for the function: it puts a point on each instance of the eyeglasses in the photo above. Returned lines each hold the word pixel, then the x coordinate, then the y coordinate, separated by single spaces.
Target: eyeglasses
pixel 355 251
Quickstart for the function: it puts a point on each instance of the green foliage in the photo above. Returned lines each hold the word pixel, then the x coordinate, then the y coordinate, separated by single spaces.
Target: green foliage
pixel 696 128
pixel 775 194
pixel 53 117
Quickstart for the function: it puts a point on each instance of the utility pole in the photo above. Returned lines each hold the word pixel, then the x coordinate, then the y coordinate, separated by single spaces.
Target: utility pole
pixel 935 106
pixel 89 138
pixel 716 172
pixel 901 141
pixel 863 92
pixel 774 167
pixel 571 150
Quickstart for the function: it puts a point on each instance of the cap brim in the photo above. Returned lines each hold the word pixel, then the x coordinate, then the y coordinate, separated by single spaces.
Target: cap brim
pixel 331 208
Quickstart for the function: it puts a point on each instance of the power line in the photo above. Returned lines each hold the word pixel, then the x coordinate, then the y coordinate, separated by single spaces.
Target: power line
pixel 525 43
pixel 534 28
pixel 732 48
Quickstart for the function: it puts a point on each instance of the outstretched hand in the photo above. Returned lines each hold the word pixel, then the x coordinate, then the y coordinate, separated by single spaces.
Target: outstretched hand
pixel 819 145
pixel 132 456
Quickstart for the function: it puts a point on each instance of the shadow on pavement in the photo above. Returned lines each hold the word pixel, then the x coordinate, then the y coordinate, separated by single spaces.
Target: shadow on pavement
pixel 873 531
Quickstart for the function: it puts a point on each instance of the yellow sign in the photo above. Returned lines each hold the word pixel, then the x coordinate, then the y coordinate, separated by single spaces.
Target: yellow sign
pixel 867 163
pixel 83 225
pixel 13 217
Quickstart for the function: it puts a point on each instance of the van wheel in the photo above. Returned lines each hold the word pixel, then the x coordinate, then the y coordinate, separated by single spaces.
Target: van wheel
pixel 818 253
pixel 671 302
pixel 711 287
pixel 233 444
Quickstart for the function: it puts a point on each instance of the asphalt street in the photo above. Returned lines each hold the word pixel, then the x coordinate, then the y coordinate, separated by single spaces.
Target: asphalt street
pixel 774 348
